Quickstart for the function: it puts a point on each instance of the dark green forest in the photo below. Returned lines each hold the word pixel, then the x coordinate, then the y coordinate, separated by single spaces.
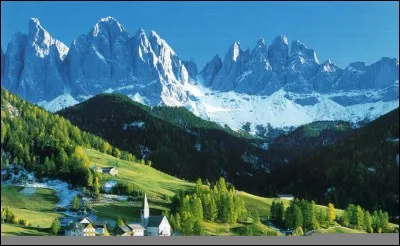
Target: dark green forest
pixel 360 169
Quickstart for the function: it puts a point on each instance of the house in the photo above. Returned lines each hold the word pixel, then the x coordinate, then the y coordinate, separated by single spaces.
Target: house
pixel 85 228
pixel 79 229
pixel 154 225
pixel 101 227
pixel 123 230
pixel 136 229
pixel 113 171
pixel 286 197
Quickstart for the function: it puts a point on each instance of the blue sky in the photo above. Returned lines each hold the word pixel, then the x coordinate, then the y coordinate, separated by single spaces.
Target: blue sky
pixel 342 31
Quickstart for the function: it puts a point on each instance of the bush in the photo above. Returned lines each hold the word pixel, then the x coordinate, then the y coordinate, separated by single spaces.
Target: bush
pixel 22 222
pixel 298 231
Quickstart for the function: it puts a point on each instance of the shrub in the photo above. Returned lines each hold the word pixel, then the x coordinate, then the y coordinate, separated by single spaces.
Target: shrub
pixel 298 231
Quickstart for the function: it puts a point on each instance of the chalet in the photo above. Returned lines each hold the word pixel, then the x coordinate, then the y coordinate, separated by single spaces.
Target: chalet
pixel 154 225
pixel 286 197
pixel 113 171
pixel 137 230
pixel 123 230
pixel 83 228
pixel 86 228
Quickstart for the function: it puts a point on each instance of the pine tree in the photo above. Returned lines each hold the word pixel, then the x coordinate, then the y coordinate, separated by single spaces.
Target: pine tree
pixel 55 227
pixel 177 222
pixel 255 217
pixel 213 210
pixel 368 222
pixel 198 229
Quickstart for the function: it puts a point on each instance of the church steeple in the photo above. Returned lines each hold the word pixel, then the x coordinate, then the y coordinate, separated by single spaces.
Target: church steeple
pixel 145 212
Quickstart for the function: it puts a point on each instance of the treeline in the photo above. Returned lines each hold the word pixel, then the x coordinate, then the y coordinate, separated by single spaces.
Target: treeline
pixel 46 143
pixel 301 213
pixel 307 216
pixel 218 203
pixel 358 218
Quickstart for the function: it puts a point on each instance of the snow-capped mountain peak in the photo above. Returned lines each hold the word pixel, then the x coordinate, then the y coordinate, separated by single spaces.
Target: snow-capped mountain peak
pixel 41 40
pixel 301 49
pixel 266 84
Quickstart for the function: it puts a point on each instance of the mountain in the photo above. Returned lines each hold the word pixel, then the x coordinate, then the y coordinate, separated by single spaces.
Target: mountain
pixel 266 69
pixel 276 84
pixel 33 64
pixel 174 139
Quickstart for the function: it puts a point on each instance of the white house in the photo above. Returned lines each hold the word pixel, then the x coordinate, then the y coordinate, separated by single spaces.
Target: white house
pixel 137 230
pixel 154 225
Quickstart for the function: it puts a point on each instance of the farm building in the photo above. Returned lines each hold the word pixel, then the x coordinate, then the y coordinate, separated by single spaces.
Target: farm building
pixel 286 196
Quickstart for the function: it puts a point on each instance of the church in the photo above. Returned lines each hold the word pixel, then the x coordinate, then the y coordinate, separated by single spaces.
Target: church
pixel 154 225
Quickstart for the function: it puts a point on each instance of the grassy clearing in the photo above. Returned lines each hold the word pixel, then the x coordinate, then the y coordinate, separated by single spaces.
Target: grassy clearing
pixel 261 204
pixel 17 230
pixel 142 177
pixel 33 204
pixel 124 210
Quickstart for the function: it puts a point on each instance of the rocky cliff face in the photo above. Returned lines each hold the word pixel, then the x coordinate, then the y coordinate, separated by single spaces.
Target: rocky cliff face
pixel 32 66
pixel 266 69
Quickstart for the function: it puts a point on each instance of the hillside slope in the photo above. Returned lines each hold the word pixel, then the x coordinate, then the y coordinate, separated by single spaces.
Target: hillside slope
pixel 176 141
pixel 360 169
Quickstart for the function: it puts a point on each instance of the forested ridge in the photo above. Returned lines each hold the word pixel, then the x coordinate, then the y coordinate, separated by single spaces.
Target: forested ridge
pixel 46 143
pixel 360 169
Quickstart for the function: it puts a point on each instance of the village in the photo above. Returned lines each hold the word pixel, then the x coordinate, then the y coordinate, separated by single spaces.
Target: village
pixel 156 225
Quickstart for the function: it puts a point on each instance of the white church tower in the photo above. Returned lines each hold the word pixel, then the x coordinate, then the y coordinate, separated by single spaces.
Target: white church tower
pixel 145 212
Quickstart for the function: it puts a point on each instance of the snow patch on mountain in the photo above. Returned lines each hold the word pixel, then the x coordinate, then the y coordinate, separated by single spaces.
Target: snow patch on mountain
pixel 280 109
pixel 58 103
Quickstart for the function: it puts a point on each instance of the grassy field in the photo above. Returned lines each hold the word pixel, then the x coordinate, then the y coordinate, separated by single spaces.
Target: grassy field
pixel 125 211
pixel 261 204
pixel 33 204
pixel 17 230
pixel 142 177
